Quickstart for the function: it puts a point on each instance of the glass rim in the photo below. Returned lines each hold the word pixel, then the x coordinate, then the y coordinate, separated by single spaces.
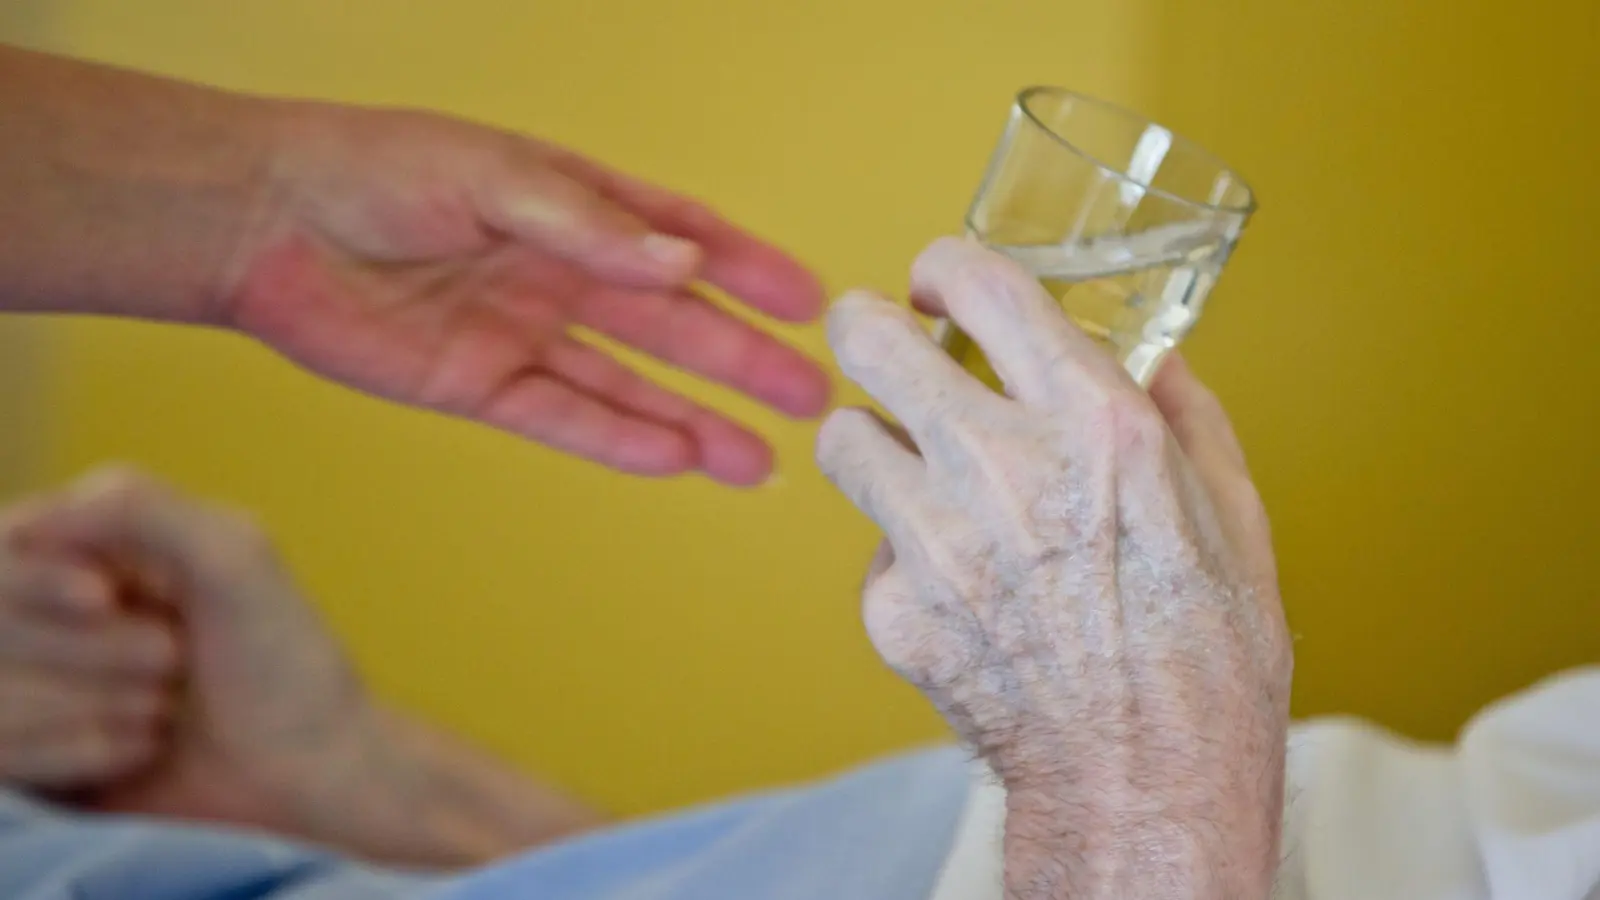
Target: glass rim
pixel 1021 103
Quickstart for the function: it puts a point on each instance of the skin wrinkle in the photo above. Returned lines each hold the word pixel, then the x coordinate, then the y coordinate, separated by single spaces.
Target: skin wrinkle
pixel 1115 653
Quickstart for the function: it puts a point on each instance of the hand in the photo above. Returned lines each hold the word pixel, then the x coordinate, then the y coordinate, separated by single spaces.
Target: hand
pixel 445 265
pixel 271 700
pixel 1080 577
pixel 410 255
pixel 275 731
pixel 85 680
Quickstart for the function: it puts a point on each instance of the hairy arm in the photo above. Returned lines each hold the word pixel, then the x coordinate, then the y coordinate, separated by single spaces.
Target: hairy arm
pixel 1115 840
pixel 126 194
pixel 1079 576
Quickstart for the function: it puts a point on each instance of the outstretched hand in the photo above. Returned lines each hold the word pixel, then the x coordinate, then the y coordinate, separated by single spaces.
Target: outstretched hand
pixel 446 265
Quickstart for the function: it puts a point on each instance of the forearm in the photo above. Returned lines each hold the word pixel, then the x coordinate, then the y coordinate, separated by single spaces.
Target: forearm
pixel 1111 843
pixel 422 798
pixel 478 794
pixel 125 194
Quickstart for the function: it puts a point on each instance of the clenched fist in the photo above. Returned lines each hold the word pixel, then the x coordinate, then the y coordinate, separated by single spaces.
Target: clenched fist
pixel 271 728
pixel 1080 577
pixel 86 679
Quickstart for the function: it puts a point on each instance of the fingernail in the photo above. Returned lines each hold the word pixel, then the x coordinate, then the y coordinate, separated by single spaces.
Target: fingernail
pixel 671 252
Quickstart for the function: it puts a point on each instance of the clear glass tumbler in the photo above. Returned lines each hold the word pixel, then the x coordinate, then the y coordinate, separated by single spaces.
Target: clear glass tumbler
pixel 1126 224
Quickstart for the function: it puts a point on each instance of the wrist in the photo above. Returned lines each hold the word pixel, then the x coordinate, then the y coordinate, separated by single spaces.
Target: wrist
pixel 367 795
pixel 394 796
pixel 1197 836
pixel 127 194
pixel 1084 854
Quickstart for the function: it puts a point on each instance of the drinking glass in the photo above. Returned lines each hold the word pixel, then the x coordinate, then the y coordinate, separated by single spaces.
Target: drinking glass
pixel 1125 223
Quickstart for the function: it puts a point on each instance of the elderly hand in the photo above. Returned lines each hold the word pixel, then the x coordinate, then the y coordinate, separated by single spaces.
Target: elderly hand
pixel 274 730
pixel 270 699
pixel 85 678
pixel 1080 577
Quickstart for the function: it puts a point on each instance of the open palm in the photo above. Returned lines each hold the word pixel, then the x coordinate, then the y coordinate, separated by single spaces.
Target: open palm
pixel 445 265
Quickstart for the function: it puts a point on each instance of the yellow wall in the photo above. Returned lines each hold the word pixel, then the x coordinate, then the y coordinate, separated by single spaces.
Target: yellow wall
pixel 1401 340
pixel 1407 339
pixel 649 643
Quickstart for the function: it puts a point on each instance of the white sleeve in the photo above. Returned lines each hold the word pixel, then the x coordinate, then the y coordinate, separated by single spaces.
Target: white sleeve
pixel 1510 812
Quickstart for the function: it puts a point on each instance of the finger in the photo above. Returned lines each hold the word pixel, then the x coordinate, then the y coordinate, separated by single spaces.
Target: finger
pixel 37 701
pixel 496 374
pixel 141 525
pixel 881 347
pixel 147 706
pixel 723 449
pixel 55 588
pixel 758 273
pixel 534 203
pixel 537 405
pixel 1022 331
pixel 864 461
pixel 1202 431
pixel 122 647
pixel 1195 416
pixel 690 333
pixel 90 756
pixel 113 508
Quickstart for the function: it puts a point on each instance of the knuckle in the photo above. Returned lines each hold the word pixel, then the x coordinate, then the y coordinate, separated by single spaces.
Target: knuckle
pixel 1139 428
pixel 864 329
pixel 994 280
pixel 125 484
pixel 1122 421
pixel 910 638
pixel 974 283
pixel 936 255
pixel 836 436
pixel 1098 412
pixel 236 542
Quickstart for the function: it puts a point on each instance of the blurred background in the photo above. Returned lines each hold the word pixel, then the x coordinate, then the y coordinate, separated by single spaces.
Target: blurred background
pixel 1403 340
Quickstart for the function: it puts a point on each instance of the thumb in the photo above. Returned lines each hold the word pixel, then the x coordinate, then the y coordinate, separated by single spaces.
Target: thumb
pixel 533 203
